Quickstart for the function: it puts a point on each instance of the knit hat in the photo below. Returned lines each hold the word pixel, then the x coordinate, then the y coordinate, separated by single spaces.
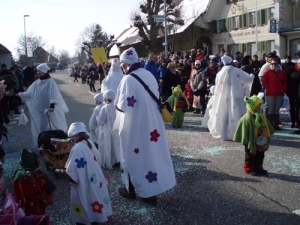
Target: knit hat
pixel 198 62
pixel 226 60
pixel 251 104
pixel 176 89
pixel 129 56
pixel 76 128
pixel 99 97
pixel 115 65
pixel 44 68
pixel 29 160
pixel 109 94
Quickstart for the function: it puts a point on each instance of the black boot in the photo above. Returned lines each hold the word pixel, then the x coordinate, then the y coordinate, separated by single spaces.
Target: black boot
pixel 259 160
pixel 276 122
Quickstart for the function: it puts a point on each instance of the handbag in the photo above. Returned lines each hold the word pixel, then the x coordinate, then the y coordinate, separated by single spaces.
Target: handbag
pixel 164 108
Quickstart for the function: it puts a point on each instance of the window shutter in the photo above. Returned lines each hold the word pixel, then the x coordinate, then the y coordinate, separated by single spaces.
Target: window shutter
pixel 245 22
pixel 259 52
pixel 240 21
pixel 263 17
pixel 259 18
pixel 241 48
pixel 245 50
pixel 227 25
pixel 214 26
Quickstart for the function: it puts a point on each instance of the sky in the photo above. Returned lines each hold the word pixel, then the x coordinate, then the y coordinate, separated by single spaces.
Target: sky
pixel 60 22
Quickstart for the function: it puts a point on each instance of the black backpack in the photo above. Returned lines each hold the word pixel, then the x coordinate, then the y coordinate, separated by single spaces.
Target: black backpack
pixel 44 138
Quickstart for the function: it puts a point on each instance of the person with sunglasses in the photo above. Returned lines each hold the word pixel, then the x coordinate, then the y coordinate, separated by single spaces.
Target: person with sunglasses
pixel 275 82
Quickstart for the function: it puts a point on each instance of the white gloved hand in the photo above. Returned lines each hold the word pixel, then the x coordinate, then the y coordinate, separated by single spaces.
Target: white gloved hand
pixel 252 75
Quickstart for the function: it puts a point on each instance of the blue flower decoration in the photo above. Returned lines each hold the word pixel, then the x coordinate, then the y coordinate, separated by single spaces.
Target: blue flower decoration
pixel 129 52
pixel 93 179
pixel 106 200
pixel 151 177
pixel 131 101
pixel 80 163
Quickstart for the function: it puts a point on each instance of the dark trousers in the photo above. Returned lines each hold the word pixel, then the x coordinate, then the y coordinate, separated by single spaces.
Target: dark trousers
pixel 92 87
pixel 294 109
pixel 202 103
pixel 75 78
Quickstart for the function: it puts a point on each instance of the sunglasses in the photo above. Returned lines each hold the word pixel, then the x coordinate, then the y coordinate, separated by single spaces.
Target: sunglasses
pixel 274 64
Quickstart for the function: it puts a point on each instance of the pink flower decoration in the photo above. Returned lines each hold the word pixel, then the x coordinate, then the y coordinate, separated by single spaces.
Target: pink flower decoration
pixel 154 136
pixel 97 207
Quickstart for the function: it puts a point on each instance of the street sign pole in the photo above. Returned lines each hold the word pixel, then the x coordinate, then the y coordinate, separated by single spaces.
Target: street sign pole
pixel 166 35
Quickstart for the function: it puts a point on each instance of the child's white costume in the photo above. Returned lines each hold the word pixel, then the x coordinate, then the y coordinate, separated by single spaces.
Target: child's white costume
pixel 93 127
pixel 108 140
pixel 90 201
pixel 114 77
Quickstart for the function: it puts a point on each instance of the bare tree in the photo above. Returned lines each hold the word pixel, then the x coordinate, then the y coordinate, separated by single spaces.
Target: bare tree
pixel 148 29
pixel 36 41
pixel 64 58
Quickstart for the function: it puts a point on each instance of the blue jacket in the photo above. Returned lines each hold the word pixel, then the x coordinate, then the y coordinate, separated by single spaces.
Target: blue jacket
pixel 152 67
pixel 162 71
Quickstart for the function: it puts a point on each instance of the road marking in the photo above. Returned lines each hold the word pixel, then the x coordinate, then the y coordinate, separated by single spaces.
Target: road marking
pixel 77 85
pixel 91 92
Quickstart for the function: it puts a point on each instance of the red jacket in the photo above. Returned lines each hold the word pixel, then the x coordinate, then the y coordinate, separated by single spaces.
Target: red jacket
pixel 274 82
pixel 188 92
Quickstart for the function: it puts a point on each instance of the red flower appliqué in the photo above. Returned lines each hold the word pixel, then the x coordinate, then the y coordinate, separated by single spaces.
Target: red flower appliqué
pixel 97 207
pixel 136 151
pixel 154 136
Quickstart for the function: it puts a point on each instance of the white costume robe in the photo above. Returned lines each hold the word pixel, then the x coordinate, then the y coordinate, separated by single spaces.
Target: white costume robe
pixel 208 112
pixel 108 140
pixel 145 154
pixel 93 126
pixel 90 201
pixel 38 97
pixel 232 85
pixel 114 77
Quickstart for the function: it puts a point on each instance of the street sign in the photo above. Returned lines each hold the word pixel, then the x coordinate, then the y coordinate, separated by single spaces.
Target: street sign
pixel 273 26
pixel 158 18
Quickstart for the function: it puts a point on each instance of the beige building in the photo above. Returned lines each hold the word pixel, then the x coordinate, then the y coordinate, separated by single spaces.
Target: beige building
pixel 244 25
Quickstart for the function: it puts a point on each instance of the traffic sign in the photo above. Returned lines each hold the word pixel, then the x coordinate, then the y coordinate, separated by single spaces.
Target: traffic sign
pixel 158 18
pixel 273 26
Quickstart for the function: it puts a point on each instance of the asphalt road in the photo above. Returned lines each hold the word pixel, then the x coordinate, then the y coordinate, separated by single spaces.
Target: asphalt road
pixel 211 185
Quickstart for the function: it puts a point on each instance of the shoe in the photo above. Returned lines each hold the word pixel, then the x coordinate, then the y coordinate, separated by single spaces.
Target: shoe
pixel 261 172
pixel 99 89
pixel 151 201
pixel 44 220
pixel 178 126
pixel 297 131
pixel 125 194
pixel 196 112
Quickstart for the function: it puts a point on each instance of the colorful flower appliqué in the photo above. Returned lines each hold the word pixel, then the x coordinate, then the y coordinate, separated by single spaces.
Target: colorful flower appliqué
pixel 154 136
pixel 136 151
pixel 131 101
pixel 80 162
pixel 151 177
pixel 129 52
pixel 77 209
pixel 97 207
pixel 93 179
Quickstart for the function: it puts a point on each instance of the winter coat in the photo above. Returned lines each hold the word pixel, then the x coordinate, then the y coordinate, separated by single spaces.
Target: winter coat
pixel 256 86
pixel 275 82
pixel 152 67
pixel 293 89
pixel 170 80
pixel 293 83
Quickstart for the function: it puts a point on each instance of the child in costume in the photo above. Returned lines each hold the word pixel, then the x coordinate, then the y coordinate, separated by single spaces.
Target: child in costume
pixel 11 213
pixel 93 127
pixel 90 201
pixel 109 140
pixel 253 124
pixel 31 184
pixel 179 103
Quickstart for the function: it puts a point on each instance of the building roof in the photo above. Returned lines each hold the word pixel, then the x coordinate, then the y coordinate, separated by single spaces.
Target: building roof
pixel 191 10
pixel 4 50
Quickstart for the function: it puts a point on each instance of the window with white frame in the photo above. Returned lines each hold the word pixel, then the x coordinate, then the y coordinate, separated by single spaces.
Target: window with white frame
pixel 294 46
pixel 236 22
pixel 221 24
pixel 271 12
pixel 252 18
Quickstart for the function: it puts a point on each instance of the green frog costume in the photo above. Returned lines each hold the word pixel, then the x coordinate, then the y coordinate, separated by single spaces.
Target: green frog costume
pixel 179 103
pixel 250 126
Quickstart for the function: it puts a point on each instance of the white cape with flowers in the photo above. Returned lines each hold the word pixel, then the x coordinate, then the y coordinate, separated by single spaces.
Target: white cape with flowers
pixel 232 85
pixel 93 127
pixel 90 201
pixel 145 154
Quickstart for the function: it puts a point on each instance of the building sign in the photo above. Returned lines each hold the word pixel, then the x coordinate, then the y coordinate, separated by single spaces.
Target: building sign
pixel 243 33
pixel 29 47
pixel 273 26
